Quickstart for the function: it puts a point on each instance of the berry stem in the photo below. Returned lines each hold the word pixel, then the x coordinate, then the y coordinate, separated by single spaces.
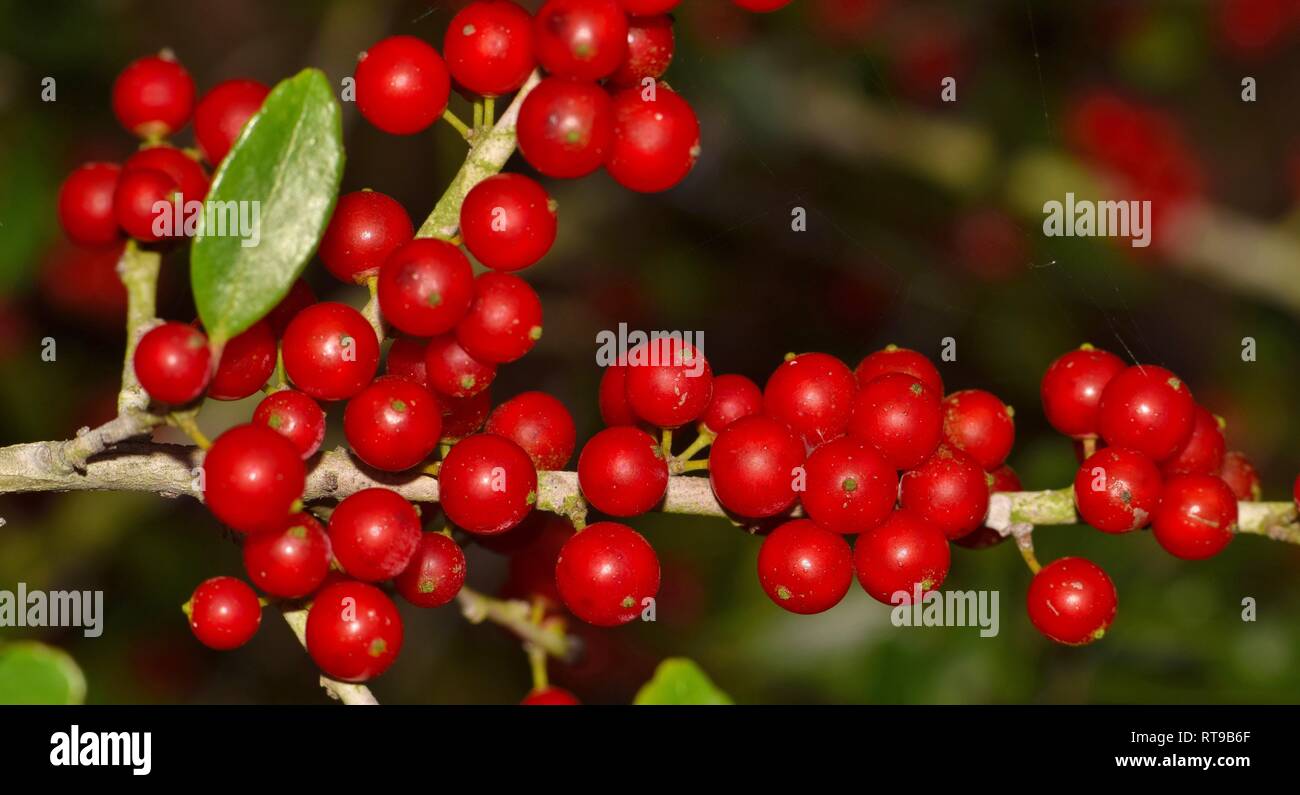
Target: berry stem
pixel 536 654
pixel 704 439
pixel 460 126
pixel 516 616
pixel 371 310
pixel 186 422
pixel 693 466
pixel 489 110
pixel 478 115
pixel 666 443
pixel 1024 535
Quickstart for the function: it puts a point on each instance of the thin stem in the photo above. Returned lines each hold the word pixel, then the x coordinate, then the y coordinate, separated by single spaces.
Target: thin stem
pixel 371 310
pixel 478 115
pixel 666 444
pixel 489 110
pixel 1089 446
pixel 536 654
pixel 694 466
pixel 460 126
pixel 1024 535
pixel 185 421
pixel 516 616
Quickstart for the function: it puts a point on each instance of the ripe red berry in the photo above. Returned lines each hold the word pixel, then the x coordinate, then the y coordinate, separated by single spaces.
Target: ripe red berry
pixel 489 47
pixel 1197 516
pixel 189 176
pixel 586 39
pixel 980 425
pixel 1148 409
pixel 949 490
pixel 605 573
pixel 905 552
pixel 1202 453
pixel 1072 601
pixel 813 394
pixel 656 139
pixel 291 561
pixel 222 113
pixel 504 320
pixel 650 48
pixel 893 359
pixel 1117 490
pixel 550 697
pixel 173 364
pixel 365 229
pixel 374 533
pixel 393 424
pixel 406 360
pixel 299 297
pixel 330 351
pixel 251 478
pixel 487 484
pixel 565 127
pixel 538 423
pixel 752 466
pixel 153 96
pixel 1241 477
pixel 353 631
pixel 804 568
pixel 508 222
pixel 224 613
pixel 622 471
pixel 425 287
pixel 762 6
pixel 86 204
pixel 612 396
pixel 1072 388
pixel 402 85
pixel 435 574
pixel 850 487
pixel 138 191
pixel 669 382
pixel 734 396
pixel 1003 478
pixel 453 372
pixel 900 416
pixel 247 361
pixel 463 416
pixel 294 416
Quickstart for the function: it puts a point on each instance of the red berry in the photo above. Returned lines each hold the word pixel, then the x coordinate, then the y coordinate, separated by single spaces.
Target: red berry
pixel 650 48
pixel 353 631
pixel 804 568
pixel 435 574
pixel 224 613
pixel 656 139
pixel 299 297
pixel 550 697
pixel 402 85
pixel 138 191
pixel 330 351
pixel 365 229
pixel 1003 478
pixel 508 222
pixel 153 96
pixel 905 552
pixel 849 487
pixel 463 416
pixel 734 396
pixel 172 363
pixel 1241 477
pixel 222 113
pixel 893 359
pixel 565 127
pixel 614 408
pixel 1117 490
pixel 86 204
pixel 1147 409
pixel 290 561
pixel 393 424
pixel 1197 516
pixel 504 321
pixel 374 533
pixel 586 39
pixel 425 287
pixel 294 416
pixel 752 466
pixel 622 471
pixel 980 425
pixel 489 47
pixel 642 8
pixel 246 363
pixel 538 423
pixel 669 382
pixel 183 169
pixel 453 372
pixel 1202 452
pixel 900 416
pixel 813 394
pixel 406 360
pixel 251 478
pixel 949 490
pixel 1072 389
pixel 487 484
pixel 605 573
pixel 1072 601
pixel 762 6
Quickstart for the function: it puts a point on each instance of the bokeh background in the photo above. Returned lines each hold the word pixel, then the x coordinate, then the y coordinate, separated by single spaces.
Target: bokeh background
pixel 923 222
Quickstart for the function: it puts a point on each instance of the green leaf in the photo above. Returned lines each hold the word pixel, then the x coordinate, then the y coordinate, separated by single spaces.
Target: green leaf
pixel 677 681
pixel 289 160
pixel 33 673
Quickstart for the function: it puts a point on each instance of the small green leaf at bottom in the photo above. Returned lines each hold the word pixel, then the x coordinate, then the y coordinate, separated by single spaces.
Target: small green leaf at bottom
pixel 679 681
pixel 33 673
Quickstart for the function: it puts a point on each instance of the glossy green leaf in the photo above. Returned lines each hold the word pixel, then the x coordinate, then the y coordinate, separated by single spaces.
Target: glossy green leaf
pixel 679 681
pixel 33 673
pixel 284 171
